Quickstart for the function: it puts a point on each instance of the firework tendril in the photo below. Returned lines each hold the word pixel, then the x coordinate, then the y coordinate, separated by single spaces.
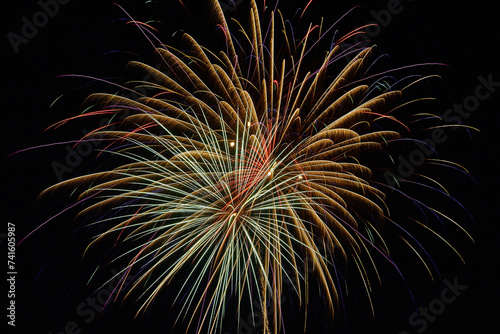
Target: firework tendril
pixel 237 168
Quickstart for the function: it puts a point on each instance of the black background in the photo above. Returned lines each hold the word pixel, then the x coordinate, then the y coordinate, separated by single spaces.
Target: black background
pixel 78 40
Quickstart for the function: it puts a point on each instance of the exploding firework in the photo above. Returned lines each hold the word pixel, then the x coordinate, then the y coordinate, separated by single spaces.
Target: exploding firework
pixel 234 169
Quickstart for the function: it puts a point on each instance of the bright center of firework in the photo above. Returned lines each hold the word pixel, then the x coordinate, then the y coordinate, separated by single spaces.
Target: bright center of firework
pixel 232 218
pixel 231 144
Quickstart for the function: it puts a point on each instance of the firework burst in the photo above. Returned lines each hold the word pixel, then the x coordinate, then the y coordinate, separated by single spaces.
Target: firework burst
pixel 236 168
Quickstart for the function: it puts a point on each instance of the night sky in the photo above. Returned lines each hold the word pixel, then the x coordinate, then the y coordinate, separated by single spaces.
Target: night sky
pixel 81 37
